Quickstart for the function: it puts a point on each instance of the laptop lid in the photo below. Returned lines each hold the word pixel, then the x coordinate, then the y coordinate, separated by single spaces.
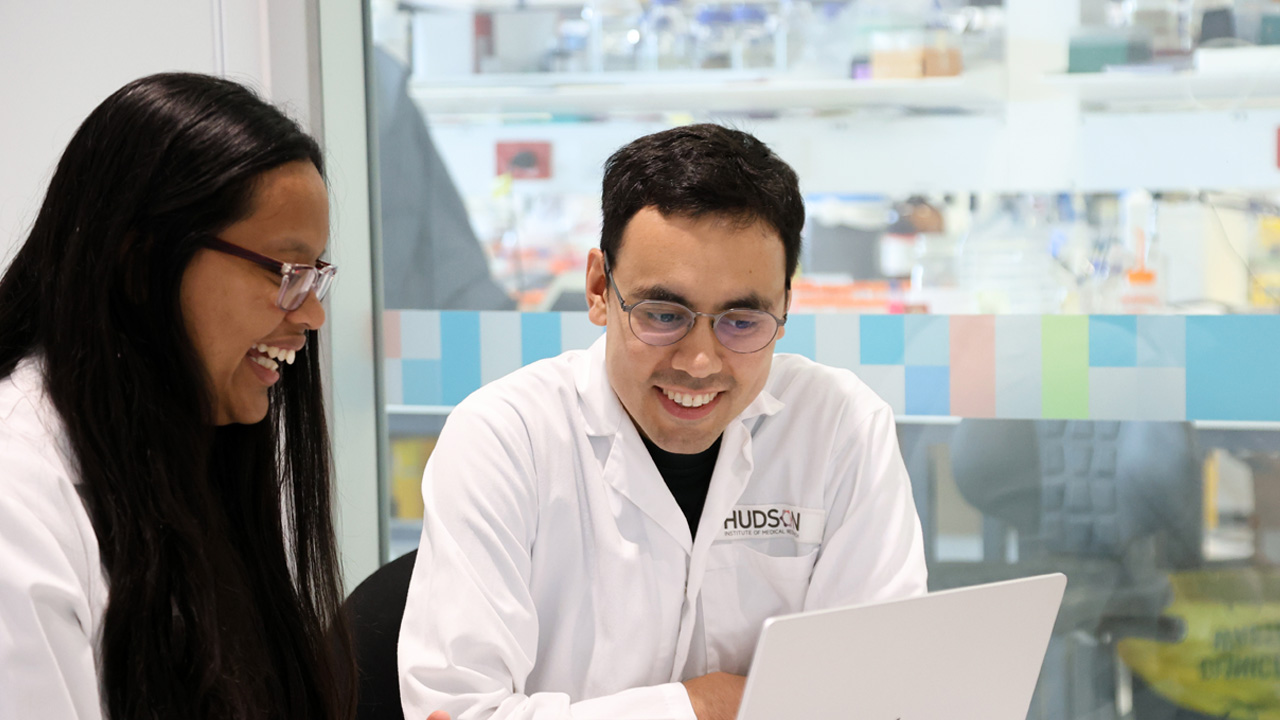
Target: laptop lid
pixel 972 653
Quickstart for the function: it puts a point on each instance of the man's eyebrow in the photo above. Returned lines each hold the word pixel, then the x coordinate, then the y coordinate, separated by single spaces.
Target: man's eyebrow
pixel 750 301
pixel 656 292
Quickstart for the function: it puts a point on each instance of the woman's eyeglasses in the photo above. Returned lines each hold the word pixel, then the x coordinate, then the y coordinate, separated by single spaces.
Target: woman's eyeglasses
pixel 295 280
pixel 657 322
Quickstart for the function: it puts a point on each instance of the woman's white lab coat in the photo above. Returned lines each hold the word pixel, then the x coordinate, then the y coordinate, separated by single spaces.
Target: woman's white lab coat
pixel 52 589
pixel 556 577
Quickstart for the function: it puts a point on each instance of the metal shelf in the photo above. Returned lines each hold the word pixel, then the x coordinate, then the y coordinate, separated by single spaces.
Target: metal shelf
pixel 723 91
pixel 1185 90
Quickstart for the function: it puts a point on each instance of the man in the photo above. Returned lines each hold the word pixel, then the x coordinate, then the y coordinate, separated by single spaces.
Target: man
pixel 606 531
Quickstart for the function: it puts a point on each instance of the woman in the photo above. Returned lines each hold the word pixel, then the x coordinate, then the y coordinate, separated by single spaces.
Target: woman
pixel 166 534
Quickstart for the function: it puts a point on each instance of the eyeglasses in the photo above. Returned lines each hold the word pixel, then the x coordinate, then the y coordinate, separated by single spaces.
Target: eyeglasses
pixel 295 280
pixel 660 323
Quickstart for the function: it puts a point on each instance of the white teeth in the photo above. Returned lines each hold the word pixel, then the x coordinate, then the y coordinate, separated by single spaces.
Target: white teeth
pixel 276 353
pixel 271 365
pixel 690 401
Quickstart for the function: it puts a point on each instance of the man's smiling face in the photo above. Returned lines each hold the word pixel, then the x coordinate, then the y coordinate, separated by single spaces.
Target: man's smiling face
pixel 682 396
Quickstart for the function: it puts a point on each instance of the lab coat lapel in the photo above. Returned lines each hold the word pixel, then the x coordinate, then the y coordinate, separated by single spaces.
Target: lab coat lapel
pixel 630 471
pixel 627 465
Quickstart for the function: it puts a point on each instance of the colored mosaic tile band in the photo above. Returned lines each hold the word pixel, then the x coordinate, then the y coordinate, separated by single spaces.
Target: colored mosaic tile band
pixel 1113 367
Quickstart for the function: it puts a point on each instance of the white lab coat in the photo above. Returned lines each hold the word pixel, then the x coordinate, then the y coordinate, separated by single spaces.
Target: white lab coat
pixel 556 577
pixel 52 589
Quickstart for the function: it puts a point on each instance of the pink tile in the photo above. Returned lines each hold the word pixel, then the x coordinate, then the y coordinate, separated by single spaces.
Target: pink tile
pixel 391 333
pixel 973 366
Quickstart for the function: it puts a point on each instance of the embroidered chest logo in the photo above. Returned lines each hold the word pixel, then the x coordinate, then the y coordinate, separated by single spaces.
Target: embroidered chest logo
pixel 767 521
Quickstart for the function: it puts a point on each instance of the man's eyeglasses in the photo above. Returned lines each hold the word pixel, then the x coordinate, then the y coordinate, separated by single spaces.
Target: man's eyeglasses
pixel 657 322
pixel 295 280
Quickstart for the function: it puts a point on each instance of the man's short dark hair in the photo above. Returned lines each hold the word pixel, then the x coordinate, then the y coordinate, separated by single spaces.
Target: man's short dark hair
pixel 702 170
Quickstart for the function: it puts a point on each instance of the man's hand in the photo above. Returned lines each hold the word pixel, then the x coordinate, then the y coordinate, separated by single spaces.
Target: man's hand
pixel 715 696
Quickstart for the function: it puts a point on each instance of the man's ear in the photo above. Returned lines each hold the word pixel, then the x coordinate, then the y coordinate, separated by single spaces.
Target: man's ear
pixel 597 288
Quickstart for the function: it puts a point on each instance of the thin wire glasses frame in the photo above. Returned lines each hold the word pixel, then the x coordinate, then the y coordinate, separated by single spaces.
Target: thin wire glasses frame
pixel 296 280
pixel 662 323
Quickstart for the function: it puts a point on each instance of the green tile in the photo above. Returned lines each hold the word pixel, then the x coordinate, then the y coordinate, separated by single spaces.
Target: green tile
pixel 1064 341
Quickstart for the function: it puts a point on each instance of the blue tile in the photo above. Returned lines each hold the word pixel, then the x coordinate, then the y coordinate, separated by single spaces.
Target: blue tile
pixel 539 336
pixel 460 355
pixel 1113 341
pixel 420 380
pixel 928 390
pixel 882 339
pixel 1162 341
pixel 801 337
pixel 927 340
pixel 1231 367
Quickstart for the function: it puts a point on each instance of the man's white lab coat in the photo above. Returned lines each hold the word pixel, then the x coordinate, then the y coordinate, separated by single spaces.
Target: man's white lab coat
pixel 556 577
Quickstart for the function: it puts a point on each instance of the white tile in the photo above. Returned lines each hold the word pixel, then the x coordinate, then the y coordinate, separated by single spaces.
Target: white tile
pixel 420 334
pixel 392 381
pixel 837 339
pixel 1018 367
pixel 889 382
pixel 500 344
pixel 577 332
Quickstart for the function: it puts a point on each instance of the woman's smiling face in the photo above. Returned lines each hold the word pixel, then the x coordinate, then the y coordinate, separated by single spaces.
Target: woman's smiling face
pixel 229 303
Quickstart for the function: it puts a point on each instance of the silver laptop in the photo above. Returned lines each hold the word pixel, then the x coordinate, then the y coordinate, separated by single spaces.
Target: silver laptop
pixel 972 653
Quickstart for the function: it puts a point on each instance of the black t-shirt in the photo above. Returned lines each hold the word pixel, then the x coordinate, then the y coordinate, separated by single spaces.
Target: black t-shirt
pixel 687 476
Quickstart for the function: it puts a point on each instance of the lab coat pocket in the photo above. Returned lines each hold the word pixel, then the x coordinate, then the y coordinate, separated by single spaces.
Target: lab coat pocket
pixel 742 587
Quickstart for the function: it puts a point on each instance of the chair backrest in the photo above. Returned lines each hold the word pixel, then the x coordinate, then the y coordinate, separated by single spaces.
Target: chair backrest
pixel 375 609
pixel 1084 489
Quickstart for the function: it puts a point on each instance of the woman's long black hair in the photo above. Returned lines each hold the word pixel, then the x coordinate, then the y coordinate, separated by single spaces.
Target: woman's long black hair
pixel 217 542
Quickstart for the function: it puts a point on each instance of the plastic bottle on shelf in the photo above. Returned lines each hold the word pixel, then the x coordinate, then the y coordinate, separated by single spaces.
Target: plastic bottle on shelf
pixel 616 23
pixel 1140 290
pixel 713 38
pixel 795 26
pixel 807 27
pixel 570 52
pixel 664 37
pixel 836 38
pixel 752 38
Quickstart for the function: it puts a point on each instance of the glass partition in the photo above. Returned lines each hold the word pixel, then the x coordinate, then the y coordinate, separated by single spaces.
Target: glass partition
pixel 1047 236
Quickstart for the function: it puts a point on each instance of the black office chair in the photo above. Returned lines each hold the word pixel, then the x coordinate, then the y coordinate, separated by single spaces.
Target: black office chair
pixel 375 609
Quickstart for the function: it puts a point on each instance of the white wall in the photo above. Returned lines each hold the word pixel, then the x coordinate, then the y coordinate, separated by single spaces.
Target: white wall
pixel 60 58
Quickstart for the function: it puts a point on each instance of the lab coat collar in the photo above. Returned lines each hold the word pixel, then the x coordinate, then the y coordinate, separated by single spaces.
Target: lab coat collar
pixel 602 411
pixel 30 380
